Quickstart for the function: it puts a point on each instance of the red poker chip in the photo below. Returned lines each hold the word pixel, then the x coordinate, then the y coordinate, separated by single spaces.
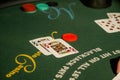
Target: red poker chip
pixel 69 37
pixel 29 7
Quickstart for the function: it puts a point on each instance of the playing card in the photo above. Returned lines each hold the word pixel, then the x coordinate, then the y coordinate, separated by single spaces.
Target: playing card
pixel 40 44
pixel 60 48
pixel 115 17
pixel 108 25
pixel 117 77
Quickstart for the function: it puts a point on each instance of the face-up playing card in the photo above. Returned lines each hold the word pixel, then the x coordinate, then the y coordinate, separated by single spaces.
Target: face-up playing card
pixel 60 48
pixel 115 17
pixel 117 77
pixel 108 25
pixel 40 44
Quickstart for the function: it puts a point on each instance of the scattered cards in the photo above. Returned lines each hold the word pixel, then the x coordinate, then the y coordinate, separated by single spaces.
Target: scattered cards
pixel 110 25
pixel 58 47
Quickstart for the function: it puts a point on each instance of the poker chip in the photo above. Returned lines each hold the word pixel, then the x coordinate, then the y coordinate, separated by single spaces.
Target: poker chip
pixel 69 37
pixel 42 6
pixel 52 3
pixel 29 8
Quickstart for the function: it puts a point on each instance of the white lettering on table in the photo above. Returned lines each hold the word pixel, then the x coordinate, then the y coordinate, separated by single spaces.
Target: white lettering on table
pixel 72 62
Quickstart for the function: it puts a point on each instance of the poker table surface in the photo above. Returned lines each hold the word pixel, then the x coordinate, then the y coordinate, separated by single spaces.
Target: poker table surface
pixel 20 60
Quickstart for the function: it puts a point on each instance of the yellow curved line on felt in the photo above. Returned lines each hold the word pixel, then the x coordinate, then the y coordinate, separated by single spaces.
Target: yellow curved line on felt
pixel 21 64
pixel 52 34
pixel 25 61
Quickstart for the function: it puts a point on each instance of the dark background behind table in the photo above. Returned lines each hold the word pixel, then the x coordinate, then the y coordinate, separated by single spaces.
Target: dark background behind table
pixel 7 3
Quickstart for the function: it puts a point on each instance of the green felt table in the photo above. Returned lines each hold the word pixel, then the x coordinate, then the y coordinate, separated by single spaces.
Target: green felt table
pixel 96 47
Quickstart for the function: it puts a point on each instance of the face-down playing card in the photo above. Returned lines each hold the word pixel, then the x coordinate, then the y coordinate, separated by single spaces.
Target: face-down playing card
pixel 108 25
pixel 60 48
pixel 40 44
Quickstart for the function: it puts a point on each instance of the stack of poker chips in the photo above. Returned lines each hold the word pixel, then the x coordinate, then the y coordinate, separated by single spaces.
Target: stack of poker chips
pixel 29 8
pixel 32 8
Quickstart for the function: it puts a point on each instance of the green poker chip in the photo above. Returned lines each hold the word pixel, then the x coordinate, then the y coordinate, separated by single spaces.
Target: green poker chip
pixel 42 6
